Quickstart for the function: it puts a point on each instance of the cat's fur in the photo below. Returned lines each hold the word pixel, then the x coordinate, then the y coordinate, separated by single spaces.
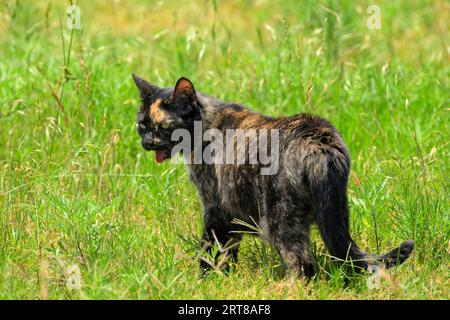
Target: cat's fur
pixel 310 186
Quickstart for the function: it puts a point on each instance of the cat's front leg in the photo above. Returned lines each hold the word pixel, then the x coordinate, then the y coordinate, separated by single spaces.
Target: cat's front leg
pixel 218 230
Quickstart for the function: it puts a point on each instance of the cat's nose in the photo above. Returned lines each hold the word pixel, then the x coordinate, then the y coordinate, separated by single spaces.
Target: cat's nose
pixel 147 142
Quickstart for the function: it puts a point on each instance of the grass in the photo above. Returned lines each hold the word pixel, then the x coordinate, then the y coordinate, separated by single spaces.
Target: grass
pixel 80 199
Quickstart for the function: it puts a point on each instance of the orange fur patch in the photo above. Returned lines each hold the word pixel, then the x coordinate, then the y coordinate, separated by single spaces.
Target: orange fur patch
pixel 156 114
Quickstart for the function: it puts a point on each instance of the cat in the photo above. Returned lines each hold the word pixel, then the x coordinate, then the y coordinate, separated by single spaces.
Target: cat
pixel 310 185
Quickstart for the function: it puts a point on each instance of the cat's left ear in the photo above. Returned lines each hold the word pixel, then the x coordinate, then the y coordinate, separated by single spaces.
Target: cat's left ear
pixel 145 89
pixel 184 93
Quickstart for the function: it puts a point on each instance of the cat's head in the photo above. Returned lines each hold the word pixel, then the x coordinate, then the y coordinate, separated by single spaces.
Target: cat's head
pixel 164 110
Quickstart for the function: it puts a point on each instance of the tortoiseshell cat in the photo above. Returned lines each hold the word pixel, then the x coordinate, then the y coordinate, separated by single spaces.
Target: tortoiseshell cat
pixel 310 185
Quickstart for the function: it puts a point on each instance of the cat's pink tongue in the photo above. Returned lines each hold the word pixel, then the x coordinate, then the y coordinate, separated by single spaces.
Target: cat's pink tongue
pixel 160 156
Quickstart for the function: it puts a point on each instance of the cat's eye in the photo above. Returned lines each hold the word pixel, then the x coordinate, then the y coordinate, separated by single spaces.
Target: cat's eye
pixel 165 125
pixel 140 126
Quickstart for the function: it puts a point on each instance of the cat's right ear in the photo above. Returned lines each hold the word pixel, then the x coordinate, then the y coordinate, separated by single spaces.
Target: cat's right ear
pixel 145 89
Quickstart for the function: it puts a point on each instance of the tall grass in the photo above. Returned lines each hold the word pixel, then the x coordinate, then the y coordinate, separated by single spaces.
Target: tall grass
pixel 76 188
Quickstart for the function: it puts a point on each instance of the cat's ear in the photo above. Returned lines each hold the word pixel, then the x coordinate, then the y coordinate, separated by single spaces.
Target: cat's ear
pixel 184 92
pixel 145 89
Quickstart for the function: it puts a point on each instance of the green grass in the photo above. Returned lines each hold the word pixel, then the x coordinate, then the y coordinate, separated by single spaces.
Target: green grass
pixel 76 188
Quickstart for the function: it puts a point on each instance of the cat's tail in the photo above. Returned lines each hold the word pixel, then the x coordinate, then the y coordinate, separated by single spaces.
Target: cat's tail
pixel 327 178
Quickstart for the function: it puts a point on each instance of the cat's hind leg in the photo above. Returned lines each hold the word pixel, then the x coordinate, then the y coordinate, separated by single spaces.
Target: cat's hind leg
pixel 289 233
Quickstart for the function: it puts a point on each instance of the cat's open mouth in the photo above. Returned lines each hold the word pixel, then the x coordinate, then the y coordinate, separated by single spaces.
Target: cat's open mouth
pixel 161 155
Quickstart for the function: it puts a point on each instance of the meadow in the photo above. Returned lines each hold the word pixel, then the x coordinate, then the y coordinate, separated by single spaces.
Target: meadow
pixel 86 213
